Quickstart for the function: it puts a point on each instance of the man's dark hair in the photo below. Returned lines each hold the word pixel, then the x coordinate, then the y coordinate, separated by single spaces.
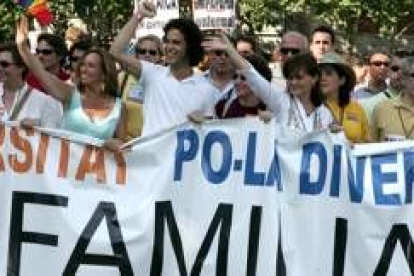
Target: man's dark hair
pixel 261 66
pixel 307 63
pixel 379 51
pixel 17 58
pixel 192 36
pixel 83 45
pixel 324 29
pixel 57 43
pixel 249 39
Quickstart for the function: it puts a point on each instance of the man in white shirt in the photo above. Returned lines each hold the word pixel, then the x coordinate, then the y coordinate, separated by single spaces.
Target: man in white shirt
pixel 173 92
pixel 18 100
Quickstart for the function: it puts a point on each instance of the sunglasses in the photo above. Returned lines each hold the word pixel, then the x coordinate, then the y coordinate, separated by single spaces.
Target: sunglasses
pixel 44 52
pixel 220 53
pixel 151 52
pixel 380 63
pixel 74 58
pixel 239 77
pixel 292 51
pixel 395 68
pixel 4 64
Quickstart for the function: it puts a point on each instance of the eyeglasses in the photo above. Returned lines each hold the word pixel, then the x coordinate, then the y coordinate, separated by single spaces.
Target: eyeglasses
pixel 395 68
pixel 220 53
pixel 142 51
pixel 380 63
pixel 292 51
pixel 44 52
pixel 4 64
pixel 74 58
pixel 239 77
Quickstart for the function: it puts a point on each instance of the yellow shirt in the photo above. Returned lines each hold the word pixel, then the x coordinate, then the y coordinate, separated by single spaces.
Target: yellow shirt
pixel 353 119
pixel 134 112
pixel 393 120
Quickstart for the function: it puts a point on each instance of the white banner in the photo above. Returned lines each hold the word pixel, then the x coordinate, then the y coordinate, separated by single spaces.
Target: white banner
pixel 215 14
pixel 205 200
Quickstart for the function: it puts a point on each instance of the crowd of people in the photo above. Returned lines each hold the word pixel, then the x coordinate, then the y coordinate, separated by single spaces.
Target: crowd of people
pixel 198 75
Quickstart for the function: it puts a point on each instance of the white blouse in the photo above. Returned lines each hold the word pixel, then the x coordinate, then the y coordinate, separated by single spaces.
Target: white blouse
pixel 287 108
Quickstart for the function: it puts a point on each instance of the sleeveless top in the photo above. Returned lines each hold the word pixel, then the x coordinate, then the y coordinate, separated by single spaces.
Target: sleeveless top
pixel 76 119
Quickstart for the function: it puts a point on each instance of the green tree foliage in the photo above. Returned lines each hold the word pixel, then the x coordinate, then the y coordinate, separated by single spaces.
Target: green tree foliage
pixel 388 17
pixel 103 17
pixel 8 15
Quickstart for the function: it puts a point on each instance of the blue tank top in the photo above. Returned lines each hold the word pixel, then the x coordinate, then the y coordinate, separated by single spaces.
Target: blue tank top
pixel 76 119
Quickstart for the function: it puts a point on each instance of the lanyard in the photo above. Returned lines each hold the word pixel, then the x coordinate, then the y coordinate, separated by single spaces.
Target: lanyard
pixel 294 113
pixel 406 132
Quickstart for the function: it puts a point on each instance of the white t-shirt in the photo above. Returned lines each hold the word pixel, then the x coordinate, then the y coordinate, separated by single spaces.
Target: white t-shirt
pixel 168 101
pixel 38 106
pixel 287 108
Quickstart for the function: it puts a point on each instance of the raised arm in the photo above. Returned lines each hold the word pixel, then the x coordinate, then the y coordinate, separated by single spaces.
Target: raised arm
pixel 131 64
pixel 263 89
pixel 55 87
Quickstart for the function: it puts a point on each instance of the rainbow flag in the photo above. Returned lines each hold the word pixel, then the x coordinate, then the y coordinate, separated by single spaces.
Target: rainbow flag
pixel 38 9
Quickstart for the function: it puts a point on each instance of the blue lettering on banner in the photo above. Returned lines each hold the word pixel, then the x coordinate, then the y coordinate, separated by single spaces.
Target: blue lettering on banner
pixel 220 138
pixel 409 175
pixel 182 154
pixel 274 172
pixel 356 180
pixel 379 178
pixel 318 150
pixel 251 177
pixel 336 171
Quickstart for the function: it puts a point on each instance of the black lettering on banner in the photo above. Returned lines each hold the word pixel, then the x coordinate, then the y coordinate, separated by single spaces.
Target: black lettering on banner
pixel 18 236
pixel 280 259
pixel 399 232
pixel 254 236
pixel 164 212
pixel 341 237
pixel 120 257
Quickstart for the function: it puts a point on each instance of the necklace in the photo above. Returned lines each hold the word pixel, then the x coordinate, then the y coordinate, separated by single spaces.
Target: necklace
pixel 406 132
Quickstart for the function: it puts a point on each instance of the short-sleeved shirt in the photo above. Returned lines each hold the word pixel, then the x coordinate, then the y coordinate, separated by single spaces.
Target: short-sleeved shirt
pixel 393 120
pixel 352 118
pixel 38 106
pixel 132 96
pixel 76 119
pixel 169 101
pixel 368 104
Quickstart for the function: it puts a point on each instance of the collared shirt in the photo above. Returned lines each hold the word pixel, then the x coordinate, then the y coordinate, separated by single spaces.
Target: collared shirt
pixel 38 106
pixel 169 101
pixel 393 120
pixel 369 104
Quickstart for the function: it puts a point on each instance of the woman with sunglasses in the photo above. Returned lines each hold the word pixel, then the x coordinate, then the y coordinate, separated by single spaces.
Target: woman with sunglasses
pixel 301 108
pixel 337 83
pixel 19 101
pixel 92 107
pixel 243 102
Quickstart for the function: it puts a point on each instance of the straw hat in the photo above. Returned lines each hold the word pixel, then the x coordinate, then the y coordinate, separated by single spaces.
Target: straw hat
pixel 339 64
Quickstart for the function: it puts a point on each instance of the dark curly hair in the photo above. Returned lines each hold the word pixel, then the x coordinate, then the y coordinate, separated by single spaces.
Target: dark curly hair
pixel 57 43
pixel 306 63
pixel 192 36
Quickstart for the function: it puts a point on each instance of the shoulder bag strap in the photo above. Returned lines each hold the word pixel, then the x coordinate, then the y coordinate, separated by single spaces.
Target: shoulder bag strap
pixel 19 106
